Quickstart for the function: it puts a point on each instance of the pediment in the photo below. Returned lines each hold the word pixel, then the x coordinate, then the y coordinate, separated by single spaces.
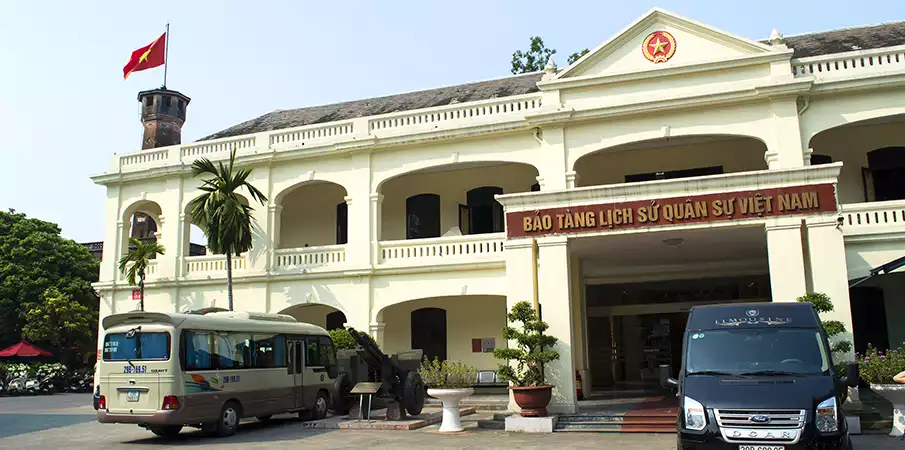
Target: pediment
pixel 661 39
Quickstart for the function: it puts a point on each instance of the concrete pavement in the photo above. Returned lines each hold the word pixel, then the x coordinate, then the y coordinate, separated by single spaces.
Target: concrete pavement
pixel 67 421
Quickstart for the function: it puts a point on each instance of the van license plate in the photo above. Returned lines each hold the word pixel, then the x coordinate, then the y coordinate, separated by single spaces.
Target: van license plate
pixel 761 447
pixel 132 396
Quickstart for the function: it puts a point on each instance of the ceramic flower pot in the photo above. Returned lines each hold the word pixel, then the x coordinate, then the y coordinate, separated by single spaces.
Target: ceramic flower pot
pixel 895 393
pixel 533 400
pixel 450 398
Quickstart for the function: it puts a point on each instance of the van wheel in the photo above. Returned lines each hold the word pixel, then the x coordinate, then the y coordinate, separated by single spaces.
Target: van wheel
pixel 167 431
pixel 264 418
pixel 320 406
pixel 229 419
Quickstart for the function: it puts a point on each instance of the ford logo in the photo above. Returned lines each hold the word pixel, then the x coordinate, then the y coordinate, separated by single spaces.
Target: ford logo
pixel 759 419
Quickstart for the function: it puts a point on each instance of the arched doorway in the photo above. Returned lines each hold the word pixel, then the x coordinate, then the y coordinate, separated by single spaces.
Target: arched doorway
pixel 429 332
pixel 485 214
pixel 886 172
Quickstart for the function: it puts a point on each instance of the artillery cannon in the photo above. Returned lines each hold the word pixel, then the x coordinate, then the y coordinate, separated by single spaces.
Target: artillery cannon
pixel 400 387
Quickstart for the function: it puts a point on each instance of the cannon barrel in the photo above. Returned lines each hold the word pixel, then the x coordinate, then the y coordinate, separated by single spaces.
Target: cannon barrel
pixel 403 385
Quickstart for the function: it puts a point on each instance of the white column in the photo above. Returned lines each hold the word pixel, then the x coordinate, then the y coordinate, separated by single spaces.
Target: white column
pixel 785 149
pixel 552 168
pixel 377 330
pixel 555 293
pixel 113 252
pixel 828 270
pixel 786 258
pixel 572 179
pixel 358 246
pixel 185 244
pixel 376 216
pixel 276 214
pixel 169 237
pixel 519 286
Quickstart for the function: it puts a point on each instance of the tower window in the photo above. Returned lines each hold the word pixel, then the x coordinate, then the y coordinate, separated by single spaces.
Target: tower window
pixel 149 101
pixel 166 102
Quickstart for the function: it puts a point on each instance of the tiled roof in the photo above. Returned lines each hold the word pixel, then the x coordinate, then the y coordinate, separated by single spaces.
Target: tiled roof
pixel 804 45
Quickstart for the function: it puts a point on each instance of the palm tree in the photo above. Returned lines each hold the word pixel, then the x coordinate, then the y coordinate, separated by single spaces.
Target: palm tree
pixel 140 253
pixel 226 221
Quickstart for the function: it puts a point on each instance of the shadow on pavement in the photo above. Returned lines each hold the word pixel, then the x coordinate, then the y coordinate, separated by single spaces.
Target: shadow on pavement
pixel 276 429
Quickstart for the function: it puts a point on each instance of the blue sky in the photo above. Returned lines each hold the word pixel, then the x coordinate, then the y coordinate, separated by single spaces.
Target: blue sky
pixel 64 107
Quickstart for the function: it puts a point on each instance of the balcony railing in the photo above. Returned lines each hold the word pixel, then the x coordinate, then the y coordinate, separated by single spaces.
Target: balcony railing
pixel 494 111
pixel 212 264
pixel 445 250
pixel 842 65
pixel 873 217
pixel 310 258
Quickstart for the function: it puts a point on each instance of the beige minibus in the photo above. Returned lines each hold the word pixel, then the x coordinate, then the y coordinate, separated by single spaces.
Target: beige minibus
pixel 166 371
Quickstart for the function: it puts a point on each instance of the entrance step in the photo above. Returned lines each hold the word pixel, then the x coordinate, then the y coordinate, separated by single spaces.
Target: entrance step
pixel 497 423
pixel 602 423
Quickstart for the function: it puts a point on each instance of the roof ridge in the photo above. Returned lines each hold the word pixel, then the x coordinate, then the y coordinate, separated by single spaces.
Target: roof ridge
pixel 833 30
pixel 416 91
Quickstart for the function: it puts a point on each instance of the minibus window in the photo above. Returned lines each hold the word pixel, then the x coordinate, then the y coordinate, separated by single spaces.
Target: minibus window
pixel 142 346
pixel 752 351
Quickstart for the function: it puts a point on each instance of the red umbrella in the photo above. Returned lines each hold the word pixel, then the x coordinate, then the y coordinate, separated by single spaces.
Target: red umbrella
pixel 23 349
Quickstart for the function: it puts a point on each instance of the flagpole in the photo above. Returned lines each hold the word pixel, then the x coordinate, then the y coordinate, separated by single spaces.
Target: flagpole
pixel 166 56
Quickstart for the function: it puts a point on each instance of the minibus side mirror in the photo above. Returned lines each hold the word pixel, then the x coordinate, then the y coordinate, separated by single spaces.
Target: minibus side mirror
pixel 852 376
pixel 666 379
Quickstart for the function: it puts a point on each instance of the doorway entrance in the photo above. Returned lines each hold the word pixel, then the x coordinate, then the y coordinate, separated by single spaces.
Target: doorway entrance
pixel 634 328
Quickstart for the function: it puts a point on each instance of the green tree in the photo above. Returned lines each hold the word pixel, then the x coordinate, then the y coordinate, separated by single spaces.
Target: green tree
pixel 536 57
pixel 530 355
pixel 140 255
pixel 532 60
pixel 576 56
pixel 834 328
pixel 33 258
pixel 62 322
pixel 219 211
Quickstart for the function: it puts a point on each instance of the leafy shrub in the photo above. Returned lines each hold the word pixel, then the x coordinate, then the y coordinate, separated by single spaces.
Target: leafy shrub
pixel 530 353
pixel 343 340
pixel 878 367
pixel 438 374
pixel 834 328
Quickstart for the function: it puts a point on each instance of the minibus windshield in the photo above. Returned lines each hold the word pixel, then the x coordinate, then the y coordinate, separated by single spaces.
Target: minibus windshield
pixel 141 346
pixel 756 351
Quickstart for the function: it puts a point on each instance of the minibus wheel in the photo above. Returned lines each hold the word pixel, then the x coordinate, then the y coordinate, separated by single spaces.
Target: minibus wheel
pixel 166 431
pixel 229 419
pixel 320 406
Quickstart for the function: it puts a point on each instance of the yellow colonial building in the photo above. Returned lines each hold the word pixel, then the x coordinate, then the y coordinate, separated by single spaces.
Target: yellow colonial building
pixel 675 164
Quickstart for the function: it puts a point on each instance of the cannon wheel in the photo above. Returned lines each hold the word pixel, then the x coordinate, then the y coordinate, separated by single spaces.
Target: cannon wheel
pixel 413 393
pixel 341 401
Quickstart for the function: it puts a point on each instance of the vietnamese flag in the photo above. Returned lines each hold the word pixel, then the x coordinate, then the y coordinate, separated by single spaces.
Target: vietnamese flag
pixel 147 57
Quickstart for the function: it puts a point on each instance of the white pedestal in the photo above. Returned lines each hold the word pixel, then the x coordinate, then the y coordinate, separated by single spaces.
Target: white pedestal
pixel 451 398
pixel 895 393
pixel 521 424
pixel 854 424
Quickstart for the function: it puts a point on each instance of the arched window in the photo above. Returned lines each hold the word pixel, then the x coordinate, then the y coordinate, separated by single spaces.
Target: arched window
pixel 422 216
pixel 485 214
pixel 885 174
pixel 335 320
pixel 342 223
pixel 429 332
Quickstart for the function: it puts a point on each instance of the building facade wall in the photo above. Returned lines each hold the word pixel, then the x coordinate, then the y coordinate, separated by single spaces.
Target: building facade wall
pixel 607 116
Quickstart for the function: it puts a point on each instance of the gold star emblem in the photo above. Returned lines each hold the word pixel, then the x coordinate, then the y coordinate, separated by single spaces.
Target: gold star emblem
pixel 144 56
pixel 658 46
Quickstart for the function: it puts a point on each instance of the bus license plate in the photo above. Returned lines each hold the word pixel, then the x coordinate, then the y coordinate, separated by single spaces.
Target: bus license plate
pixel 761 447
pixel 132 396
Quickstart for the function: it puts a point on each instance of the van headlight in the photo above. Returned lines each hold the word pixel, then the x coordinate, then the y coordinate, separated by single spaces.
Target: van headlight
pixel 827 419
pixel 695 417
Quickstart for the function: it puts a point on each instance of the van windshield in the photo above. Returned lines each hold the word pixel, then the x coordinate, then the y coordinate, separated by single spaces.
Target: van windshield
pixel 142 346
pixel 756 351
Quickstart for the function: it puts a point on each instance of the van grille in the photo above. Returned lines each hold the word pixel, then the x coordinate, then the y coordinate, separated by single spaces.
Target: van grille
pixel 790 418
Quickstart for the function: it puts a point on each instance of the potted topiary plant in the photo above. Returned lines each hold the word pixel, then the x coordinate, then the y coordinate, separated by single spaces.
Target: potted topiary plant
pixel 449 382
pixel 532 393
pixel 878 369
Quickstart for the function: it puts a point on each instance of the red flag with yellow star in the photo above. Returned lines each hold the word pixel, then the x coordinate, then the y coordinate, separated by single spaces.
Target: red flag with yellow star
pixel 147 57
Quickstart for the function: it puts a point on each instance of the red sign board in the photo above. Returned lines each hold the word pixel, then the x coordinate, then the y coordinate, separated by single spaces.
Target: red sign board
pixel 786 201
pixel 136 294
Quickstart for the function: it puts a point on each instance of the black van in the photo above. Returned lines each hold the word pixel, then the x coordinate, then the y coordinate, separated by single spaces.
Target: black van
pixel 759 376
